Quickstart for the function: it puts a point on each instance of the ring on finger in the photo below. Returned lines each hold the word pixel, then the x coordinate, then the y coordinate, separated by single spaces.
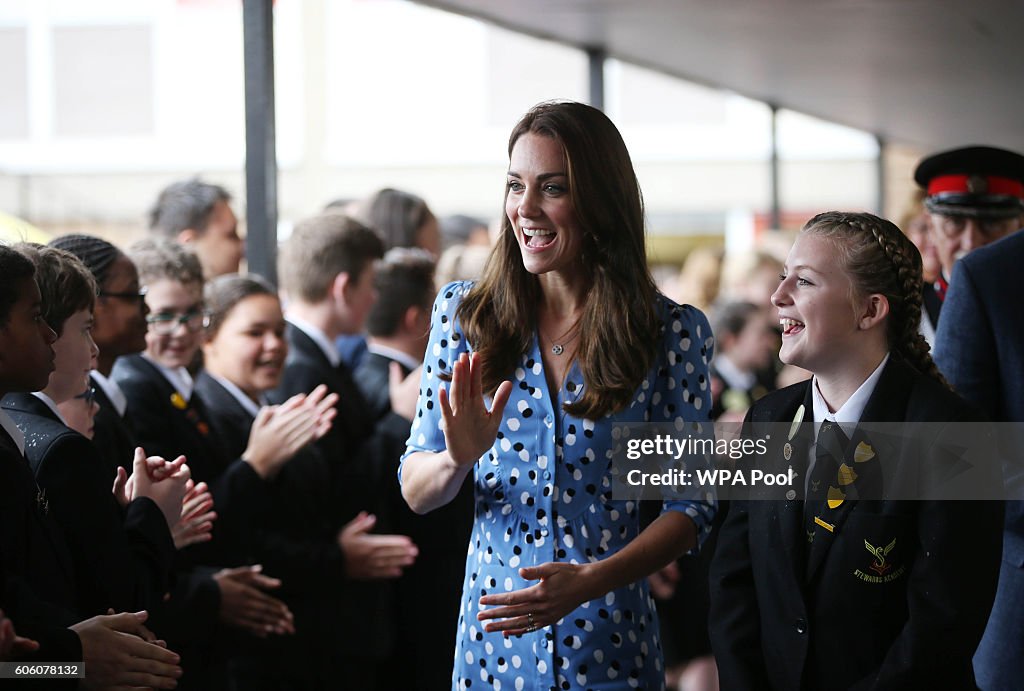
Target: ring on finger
pixel 530 625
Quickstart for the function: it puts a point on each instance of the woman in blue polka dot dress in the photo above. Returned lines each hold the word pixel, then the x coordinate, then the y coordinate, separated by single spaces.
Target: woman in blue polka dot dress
pixel 526 375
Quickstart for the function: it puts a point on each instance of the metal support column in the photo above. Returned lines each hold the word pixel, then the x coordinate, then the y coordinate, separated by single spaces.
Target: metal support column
pixel 773 171
pixel 260 138
pixel 881 176
pixel 595 69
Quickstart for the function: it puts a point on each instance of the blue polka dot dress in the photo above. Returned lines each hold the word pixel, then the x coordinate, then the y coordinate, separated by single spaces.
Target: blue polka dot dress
pixel 543 494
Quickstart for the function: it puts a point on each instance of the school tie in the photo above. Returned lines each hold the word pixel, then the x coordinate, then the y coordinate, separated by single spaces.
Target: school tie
pixel 829 452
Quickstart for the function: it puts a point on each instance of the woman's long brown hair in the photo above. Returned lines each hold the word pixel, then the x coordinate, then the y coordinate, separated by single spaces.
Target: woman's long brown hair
pixel 619 326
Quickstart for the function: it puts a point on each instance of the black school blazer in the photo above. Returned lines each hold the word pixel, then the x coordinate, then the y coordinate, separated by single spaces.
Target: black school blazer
pixel 787 615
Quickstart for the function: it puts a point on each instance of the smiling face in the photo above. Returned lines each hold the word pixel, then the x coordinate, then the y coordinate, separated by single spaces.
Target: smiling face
pixel 539 206
pixel 816 308
pixel 170 298
pixel 249 347
pixel 76 355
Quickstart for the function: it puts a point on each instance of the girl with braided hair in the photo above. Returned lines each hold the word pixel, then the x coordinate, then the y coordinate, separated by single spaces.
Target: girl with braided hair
pixel 834 584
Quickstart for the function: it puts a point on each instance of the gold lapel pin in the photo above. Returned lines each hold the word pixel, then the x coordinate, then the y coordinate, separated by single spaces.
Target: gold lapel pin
pixel 827 526
pixel 835 497
pixel 863 452
pixel 846 475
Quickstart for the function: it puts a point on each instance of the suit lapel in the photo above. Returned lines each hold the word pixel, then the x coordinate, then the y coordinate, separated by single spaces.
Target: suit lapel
pixel 887 403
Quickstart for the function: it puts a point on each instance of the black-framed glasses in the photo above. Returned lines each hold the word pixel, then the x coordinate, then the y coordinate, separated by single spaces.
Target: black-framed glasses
pixel 136 296
pixel 165 323
pixel 89 396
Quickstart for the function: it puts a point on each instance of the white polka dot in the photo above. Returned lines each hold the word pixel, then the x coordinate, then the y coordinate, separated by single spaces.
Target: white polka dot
pixel 516 661
pixel 513 424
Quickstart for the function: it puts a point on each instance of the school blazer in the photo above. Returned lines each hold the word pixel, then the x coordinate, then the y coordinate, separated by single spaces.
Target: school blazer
pixel 787 615
pixel 122 558
pixel 292 530
pixel 112 434
pixel 38 585
pixel 164 424
pixel 344 448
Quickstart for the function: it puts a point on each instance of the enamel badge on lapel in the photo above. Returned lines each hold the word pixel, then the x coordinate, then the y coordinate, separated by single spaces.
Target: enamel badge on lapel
pixel 42 503
pixel 787 448
pixel 835 497
pixel 863 452
pixel 846 475
pixel 178 401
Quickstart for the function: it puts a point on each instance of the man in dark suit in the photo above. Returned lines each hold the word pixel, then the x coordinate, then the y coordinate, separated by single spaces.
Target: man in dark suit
pixel 975 196
pixel 780 605
pixel 327 274
pixel 429 591
pixel 980 350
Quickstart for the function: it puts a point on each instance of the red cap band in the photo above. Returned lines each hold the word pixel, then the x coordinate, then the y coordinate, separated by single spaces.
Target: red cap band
pixel 990 185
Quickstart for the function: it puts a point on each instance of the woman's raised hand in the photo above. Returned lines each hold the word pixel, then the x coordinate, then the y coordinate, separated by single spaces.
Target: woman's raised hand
pixel 469 428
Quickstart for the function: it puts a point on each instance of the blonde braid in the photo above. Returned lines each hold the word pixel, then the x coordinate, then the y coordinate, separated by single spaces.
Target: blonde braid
pixel 881 259
pixel 907 338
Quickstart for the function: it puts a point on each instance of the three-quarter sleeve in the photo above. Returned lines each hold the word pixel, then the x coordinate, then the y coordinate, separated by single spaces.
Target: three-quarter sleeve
pixel 446 344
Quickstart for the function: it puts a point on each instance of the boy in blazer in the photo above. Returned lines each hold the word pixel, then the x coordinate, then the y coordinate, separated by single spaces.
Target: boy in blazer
pixel 36 583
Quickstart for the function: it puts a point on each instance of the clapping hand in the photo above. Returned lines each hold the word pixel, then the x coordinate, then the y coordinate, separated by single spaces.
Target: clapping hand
pixel 162 481
pixel 197 516
pixel 279 432
pixel 245 605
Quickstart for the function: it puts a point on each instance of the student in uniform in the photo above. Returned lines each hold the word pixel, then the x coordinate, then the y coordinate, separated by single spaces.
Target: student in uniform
pixel 327 270
pixel 169 420
pixel 847 589
pixel 36 589
pixel 122 557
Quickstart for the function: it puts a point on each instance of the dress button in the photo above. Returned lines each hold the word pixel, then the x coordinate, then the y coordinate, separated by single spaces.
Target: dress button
pixel 547 474
pixel 801 626
pixel 548 419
